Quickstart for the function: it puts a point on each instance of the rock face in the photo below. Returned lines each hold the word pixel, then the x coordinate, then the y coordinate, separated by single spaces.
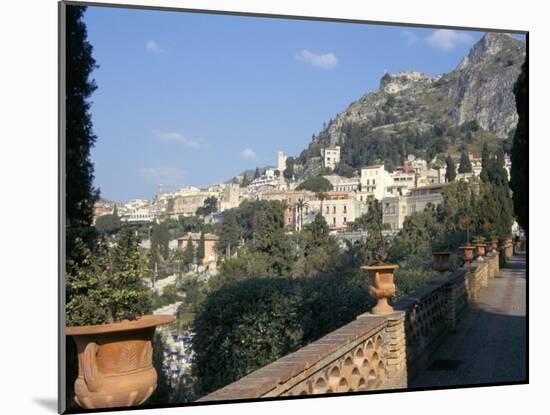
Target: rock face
pixel 479 89
pixel 486 78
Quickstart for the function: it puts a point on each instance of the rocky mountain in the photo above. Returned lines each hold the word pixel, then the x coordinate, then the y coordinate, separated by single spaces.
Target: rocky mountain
pixel 412 112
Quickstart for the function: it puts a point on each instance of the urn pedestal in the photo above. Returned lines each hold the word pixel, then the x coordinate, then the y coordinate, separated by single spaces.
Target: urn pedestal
pixel 115 362
pixel 468 252
pixel 441 261
pixel 480 250
pixel 381 286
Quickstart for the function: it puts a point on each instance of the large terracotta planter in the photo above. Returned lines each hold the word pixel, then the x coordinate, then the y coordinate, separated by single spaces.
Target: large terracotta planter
pixel 441 261
pixel 468 252
pixel 115 362
pixel 381 286
pixel 480 248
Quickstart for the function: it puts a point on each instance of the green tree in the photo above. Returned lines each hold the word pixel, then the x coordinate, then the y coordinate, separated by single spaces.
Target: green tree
pixel 244 326
pixel 160 239
pixel 288 174
pixel 189 253
pixel 465 164
pixel 201 249
pixel 450 174
pixel 80 194
pixel 315 184
pixel 210 206
pixel 229 234
pixel 485 162
pixel 108 224
pixel 520 150
pixel 246 181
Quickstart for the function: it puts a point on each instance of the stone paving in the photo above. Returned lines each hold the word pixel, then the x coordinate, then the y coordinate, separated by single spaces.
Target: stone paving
pixel 489 345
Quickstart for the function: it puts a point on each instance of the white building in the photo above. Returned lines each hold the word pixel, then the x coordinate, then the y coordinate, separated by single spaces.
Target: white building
pixel 404 179
pixel 343 184
pixel 339 209
pixel 331 156
pixel 374 181
pixel 396 208
pixel 281 162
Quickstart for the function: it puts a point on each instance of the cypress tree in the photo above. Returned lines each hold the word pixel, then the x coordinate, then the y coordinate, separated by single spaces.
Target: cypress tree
pixel 485 162
pixel 189 252
pixel 79 175
pixel 201 248
pixel 520 150
pixel 451 169
pixel 465 164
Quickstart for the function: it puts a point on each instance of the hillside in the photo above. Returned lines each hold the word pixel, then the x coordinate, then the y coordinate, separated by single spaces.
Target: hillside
pixel 412 112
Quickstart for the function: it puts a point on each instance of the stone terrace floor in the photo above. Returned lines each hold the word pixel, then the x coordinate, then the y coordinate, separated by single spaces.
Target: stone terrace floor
pixel 489 345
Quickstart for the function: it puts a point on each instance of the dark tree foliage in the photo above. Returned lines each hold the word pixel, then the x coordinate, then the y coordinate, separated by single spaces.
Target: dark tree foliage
pixel 289 171
pixel 209 206
pixel 229 233
pixel 256 173
pixel 80 192
pixel 189 252
pixel 343 169
pixel 247 325
pixel 201 248
pixel 485 162
pixel 450 174
pixel 419 232
pixel 246 181
pixel 520 150
pixel 315 184
pixel 108 224
pixel 160 239
pixel 465 164
pixel 80 195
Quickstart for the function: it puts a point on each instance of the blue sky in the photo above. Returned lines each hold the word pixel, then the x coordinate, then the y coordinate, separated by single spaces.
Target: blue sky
pixel 193 99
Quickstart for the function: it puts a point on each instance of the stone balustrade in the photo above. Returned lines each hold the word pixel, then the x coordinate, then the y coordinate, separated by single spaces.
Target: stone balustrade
pixel 373 352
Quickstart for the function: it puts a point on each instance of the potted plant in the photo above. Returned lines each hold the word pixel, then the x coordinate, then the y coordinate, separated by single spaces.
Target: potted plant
pixel 107 316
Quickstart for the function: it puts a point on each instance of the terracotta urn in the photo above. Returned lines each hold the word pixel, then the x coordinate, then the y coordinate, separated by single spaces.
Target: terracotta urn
pixel 381 286
pixel 115 362
pixel 480 249
pixel 468 252
pixel 441 261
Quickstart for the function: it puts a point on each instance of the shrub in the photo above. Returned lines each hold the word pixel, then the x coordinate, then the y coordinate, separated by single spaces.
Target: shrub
pixel 108 285
pixel 251 323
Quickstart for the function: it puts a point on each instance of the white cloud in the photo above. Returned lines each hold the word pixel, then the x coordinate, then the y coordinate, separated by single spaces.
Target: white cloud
pixel 448 39
pixel 248 154
pixel 171 176
pixel 153 46
pixel 179 138
pixel 411 37
pixel 322 60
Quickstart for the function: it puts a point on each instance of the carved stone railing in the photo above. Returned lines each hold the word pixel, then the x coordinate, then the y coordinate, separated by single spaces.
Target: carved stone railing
pixel 373 352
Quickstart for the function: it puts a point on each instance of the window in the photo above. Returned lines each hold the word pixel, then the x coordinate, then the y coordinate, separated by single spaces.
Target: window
pixel 334 221
pixel 327 210
pixel 334 209
pixel 373 182
pixel 368 182
pixel 345 220
pixel 345 210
